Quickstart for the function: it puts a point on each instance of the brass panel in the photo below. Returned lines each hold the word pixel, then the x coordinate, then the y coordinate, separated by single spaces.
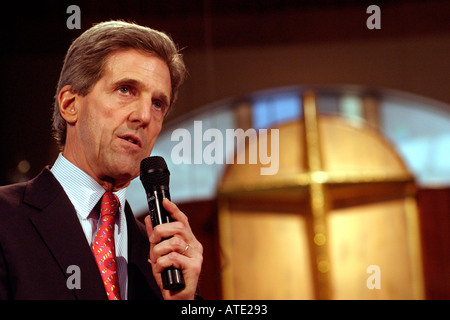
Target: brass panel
pixel 343 200
pixel 265 257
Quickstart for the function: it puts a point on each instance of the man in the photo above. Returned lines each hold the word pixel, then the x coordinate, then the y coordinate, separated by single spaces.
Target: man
pixel 117 83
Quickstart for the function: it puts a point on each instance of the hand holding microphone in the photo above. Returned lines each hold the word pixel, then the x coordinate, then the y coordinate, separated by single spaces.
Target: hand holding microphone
pixel 174 251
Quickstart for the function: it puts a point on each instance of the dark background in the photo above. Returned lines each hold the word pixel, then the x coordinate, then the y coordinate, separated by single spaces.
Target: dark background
pixel 34 39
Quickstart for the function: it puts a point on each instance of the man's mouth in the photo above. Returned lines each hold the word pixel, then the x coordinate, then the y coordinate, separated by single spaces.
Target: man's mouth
pixel 132 139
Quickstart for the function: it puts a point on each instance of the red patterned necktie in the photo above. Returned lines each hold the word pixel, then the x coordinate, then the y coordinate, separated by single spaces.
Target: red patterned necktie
pixel 103 246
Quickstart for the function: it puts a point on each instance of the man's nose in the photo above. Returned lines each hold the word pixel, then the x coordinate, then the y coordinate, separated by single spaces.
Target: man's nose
pixel 142 111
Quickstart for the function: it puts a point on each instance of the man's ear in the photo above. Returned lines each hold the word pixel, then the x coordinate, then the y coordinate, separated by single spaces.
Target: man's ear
pixel 67 104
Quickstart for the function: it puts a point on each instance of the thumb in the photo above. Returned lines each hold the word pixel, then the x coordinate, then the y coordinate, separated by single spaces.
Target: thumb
pixel 148 226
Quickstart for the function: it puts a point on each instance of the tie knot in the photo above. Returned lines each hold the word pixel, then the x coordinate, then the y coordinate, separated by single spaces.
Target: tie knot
pixel 109 204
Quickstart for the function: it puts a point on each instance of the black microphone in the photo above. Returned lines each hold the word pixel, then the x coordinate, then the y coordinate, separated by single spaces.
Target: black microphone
pixel 155 179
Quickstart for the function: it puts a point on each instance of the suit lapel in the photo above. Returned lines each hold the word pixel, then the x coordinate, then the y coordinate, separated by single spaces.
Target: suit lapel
pixel 59 228
pixel 141 283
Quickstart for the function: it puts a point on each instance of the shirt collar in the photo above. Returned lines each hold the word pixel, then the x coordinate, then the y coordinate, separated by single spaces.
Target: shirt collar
pixel 83 191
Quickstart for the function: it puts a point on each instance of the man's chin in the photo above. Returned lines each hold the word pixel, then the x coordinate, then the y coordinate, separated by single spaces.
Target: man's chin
pixel 121 181
pixel 122 174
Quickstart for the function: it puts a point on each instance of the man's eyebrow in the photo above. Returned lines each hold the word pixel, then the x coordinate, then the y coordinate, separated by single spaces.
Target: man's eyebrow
pixel 128 81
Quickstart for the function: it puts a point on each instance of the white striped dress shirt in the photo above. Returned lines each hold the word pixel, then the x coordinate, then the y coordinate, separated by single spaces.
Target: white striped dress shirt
pixel 84 193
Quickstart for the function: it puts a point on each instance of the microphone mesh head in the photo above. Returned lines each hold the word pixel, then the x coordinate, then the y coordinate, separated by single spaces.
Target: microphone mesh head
pixel 154 172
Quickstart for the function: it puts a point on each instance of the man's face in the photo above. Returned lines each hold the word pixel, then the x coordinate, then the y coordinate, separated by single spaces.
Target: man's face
pixel 120 118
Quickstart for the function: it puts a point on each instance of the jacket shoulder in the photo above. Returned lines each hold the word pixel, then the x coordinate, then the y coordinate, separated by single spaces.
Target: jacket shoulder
pixel 11 196
pixel 37 193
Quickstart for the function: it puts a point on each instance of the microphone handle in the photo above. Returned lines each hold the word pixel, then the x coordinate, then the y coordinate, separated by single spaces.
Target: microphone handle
pixel 172 278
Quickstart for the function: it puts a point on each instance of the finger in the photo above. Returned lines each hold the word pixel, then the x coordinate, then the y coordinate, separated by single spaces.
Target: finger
pixel 150 235
pixel 172 259
pixel 191 267
pixel 148 226
pixel 174 244
pixel 167 230
pixel 179 216
pixel 175 212
pixel 177 237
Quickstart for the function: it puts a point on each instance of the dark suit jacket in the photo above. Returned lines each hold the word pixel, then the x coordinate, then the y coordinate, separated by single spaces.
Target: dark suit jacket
pixel 40 237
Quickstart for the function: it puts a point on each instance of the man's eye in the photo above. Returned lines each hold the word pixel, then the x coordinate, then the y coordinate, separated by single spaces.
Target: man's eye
pixel 124 90
pixel 158 105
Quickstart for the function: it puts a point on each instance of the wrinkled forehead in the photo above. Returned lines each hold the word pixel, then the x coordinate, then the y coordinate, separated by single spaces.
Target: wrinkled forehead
pixel 144 70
